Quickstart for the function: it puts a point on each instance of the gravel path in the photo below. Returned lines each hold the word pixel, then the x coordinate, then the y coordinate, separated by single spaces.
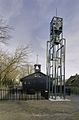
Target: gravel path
pixel 40 110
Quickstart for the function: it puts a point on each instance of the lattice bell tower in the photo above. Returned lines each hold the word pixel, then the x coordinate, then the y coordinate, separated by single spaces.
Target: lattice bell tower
pixel 56 59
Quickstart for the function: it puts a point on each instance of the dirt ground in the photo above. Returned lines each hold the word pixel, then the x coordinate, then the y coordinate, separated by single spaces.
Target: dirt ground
pixel 40 110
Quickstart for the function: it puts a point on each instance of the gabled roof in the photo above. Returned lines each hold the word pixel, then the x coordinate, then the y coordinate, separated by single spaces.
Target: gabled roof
pixel 73 80
pixel 34 75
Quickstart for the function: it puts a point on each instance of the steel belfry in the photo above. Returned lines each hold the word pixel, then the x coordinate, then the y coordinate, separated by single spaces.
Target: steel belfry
pixel 56 59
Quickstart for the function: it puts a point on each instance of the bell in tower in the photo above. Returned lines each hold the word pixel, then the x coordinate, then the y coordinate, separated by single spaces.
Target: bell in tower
pixel 37 68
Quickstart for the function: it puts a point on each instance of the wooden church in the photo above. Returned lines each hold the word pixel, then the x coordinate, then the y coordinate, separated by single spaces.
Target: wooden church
pixel 34 82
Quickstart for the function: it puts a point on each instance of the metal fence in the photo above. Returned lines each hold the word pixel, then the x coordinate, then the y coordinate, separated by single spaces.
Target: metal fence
pixel 19 94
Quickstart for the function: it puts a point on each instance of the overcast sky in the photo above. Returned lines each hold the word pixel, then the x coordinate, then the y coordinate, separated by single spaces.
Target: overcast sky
pixel 31 19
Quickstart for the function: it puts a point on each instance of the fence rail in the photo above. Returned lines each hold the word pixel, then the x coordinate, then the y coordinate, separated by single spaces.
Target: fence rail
pixel 75 90
pixel 18 94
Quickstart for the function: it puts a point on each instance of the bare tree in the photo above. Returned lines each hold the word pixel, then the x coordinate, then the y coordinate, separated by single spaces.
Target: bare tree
pixel 4 31
pixel 14 65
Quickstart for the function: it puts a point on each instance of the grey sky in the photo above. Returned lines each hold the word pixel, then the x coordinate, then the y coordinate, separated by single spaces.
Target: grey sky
pixel 31 19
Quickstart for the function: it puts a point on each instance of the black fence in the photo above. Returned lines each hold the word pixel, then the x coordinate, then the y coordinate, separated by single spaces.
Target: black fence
pixel 74 90
pixel 19 94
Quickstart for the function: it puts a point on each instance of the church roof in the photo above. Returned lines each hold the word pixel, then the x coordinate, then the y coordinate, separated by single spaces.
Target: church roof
pixel 36 75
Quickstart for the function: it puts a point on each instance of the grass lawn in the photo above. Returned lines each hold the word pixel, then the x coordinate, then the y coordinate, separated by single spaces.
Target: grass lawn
pixel 38 110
